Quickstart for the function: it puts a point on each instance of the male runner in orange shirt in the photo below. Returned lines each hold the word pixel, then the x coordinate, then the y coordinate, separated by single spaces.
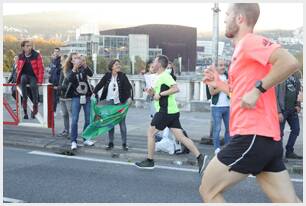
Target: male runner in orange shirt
pixel 257 66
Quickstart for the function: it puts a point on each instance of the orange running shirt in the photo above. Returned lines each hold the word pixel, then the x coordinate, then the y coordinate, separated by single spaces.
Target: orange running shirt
pixel 249 64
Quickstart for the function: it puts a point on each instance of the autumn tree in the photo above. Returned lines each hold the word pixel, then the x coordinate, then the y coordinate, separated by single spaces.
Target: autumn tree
pixel 8 60
pixel 11 46
pixel 139 64
pixel 102 64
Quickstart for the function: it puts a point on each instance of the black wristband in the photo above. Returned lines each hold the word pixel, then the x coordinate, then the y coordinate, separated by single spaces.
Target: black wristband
pixel 258 85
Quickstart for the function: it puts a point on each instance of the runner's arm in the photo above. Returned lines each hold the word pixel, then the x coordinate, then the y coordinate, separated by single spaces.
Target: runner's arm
pixel 283 64
pixel 173 89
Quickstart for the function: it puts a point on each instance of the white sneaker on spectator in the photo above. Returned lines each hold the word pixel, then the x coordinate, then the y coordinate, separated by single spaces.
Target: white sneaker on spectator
pixel 217 151
pixel 74 145
pixel 89 143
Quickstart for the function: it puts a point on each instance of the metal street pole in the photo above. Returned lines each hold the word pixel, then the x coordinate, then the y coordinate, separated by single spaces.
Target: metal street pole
pixel 133 65
pixel 94 60
pixel 180 64
pixel 215 37
pixel 215 44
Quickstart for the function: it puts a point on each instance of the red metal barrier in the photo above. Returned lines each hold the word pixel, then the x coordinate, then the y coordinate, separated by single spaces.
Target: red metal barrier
pixel 16 116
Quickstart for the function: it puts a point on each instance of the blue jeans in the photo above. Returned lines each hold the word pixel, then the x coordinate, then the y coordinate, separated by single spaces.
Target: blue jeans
pixel 76 108
pixel 219 113
pixel 293 120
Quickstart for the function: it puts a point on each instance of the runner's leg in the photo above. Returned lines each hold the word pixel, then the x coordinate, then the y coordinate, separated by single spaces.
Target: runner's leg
pixel 151 141
pixel 277 186
pixel 216 179
pixel 179 135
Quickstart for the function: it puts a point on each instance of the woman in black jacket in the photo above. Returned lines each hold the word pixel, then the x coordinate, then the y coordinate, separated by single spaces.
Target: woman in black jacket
pixel 117 89
pixel 13 77
pixel 65 93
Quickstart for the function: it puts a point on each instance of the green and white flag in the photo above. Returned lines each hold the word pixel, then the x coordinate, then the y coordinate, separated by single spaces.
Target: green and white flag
pixel 103 118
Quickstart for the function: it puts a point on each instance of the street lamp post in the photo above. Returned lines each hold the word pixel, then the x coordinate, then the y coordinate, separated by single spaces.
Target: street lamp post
pixel 94 60
pixel 133 64
pixel 215 43
pixel 180 65
pixel 215 37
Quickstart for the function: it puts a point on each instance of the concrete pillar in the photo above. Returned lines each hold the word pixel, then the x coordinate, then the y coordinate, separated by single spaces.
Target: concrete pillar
pixel 196 94
pixel 202 92
pixel 137 89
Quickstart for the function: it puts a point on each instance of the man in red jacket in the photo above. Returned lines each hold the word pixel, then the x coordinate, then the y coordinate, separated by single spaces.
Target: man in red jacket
pixel 30 70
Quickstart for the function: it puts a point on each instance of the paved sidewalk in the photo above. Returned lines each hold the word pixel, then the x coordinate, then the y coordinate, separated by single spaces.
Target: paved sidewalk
pixel 195 123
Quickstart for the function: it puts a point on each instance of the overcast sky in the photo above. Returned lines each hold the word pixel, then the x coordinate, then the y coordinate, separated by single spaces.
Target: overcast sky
pixel 273 15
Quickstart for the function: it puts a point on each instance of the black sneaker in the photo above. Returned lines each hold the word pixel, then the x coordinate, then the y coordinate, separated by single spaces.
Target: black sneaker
pixel 125 147
pixel 32 115
pixel 293 156
pixel 26 116
pixel 110 146
pixel 202 163
pixel 145 164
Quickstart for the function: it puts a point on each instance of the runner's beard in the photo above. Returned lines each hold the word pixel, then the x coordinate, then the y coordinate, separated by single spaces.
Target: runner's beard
pixel 231 30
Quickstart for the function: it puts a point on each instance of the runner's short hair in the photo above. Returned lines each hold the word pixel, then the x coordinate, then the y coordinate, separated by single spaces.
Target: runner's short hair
pixel 251 12
pixel 163 60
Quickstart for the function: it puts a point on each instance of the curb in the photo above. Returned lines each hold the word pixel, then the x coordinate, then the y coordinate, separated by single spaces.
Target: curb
pixel 130 156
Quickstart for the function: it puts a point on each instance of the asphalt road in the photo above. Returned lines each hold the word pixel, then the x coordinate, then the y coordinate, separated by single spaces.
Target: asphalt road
pixel 39 177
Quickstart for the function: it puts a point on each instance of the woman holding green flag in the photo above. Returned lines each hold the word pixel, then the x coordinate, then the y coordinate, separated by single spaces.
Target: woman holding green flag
pixel 117 89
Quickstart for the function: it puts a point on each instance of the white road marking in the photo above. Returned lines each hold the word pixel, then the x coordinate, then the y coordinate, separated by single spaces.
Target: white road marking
pixel 11 200
pixel 106 161
pixel 126 163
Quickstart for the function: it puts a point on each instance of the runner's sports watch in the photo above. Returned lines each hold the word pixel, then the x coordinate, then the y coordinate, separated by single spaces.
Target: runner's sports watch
pixel 258 85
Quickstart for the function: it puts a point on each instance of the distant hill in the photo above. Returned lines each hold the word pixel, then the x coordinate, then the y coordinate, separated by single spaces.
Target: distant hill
pixel 46 24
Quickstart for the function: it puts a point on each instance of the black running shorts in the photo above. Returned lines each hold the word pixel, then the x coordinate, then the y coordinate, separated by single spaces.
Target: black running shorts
pixel 252 154
pixel 163 120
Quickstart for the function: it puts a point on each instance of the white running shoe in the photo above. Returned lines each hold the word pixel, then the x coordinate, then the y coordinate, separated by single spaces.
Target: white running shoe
pixel 89 143
pixel 74 146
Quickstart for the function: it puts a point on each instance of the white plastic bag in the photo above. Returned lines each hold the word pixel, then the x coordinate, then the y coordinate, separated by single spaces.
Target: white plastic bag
pixel 165 145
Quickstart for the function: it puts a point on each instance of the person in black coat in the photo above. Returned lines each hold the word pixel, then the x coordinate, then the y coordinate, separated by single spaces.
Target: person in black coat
pixel 13 77
pixel 117 89
pixel 65 94
pixel 55 71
